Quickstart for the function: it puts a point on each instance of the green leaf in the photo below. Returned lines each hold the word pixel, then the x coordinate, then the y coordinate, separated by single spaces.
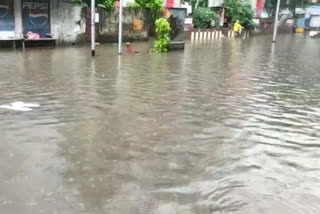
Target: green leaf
pixel 162 31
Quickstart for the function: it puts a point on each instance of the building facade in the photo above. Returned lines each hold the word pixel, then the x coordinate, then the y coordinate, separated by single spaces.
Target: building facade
pixel 62 20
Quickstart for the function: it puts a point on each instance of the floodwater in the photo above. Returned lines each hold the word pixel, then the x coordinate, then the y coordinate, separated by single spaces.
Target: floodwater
pixel 224 127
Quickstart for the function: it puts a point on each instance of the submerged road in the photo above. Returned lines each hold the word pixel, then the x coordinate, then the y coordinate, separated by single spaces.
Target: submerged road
pixel 230 126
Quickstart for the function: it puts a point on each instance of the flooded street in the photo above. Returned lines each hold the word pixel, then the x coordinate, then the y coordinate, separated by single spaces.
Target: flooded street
pixel 225 127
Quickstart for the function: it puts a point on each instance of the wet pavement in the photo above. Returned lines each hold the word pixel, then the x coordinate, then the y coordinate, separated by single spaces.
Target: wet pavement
pixel 225 127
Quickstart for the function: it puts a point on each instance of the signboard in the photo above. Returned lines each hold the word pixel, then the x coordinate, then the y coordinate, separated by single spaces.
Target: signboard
pixel 176 21
pixel 6 15
pixel 137 24
pixel 290 21
pixel 256 21
pixel 36 16
pixel 188 21
pixel 215 3
pixel 96 18
pixel 315 21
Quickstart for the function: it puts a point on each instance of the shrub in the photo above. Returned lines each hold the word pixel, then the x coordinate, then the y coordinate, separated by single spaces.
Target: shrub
pixel 162 32
pixel 202 17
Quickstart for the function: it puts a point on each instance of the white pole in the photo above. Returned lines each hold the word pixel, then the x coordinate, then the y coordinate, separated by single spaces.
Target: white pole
pixel 120 28
pixel 93 30
pixel 276 21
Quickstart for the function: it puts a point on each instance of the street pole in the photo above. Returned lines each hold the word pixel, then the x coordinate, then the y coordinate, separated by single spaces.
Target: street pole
pixel 93 30
pixel 276 21
pixel 120 28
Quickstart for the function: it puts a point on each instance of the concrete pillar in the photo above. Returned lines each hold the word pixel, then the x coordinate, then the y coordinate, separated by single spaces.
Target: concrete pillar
pixel 222 14
pixel 18 19
pixel 54 14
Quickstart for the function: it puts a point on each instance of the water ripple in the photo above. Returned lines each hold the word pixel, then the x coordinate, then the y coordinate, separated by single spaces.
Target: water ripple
pixel 231 126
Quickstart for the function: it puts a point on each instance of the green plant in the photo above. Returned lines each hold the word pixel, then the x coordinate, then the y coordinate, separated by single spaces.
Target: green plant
pixel 162 32
pixel 202 17
pixel 133 5
pixel 240 11
pixel 106 4
pixel 152 5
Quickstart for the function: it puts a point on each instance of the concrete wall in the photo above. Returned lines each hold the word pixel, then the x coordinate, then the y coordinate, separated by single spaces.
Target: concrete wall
pixel 68 22
pixel 266 25
pixel 135 26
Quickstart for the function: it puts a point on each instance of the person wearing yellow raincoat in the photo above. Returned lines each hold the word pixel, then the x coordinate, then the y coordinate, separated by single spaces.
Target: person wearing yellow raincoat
pixel 237 27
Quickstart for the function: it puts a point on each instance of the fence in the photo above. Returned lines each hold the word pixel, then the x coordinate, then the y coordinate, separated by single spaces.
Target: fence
pixel 214 34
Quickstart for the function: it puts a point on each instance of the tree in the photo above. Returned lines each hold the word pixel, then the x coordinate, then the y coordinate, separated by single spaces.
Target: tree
pixel 202 17
pixel 152 5
pixel 240 11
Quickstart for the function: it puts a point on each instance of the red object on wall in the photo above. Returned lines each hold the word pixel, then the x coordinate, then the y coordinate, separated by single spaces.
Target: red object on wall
pixel 170 4
pixel 259 7
pixel 165 11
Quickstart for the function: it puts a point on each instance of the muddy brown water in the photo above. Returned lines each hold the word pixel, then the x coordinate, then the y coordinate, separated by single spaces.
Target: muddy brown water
pixel 224 127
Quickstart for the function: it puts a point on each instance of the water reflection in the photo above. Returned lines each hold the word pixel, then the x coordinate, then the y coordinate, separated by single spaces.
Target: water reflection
pixel 226 127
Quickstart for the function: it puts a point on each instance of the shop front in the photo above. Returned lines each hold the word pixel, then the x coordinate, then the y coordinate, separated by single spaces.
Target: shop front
pixel 36 17
pixel 49 21
pixel 7 25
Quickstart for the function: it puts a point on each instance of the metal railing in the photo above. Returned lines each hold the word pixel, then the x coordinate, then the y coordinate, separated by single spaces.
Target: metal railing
pixel 213 34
